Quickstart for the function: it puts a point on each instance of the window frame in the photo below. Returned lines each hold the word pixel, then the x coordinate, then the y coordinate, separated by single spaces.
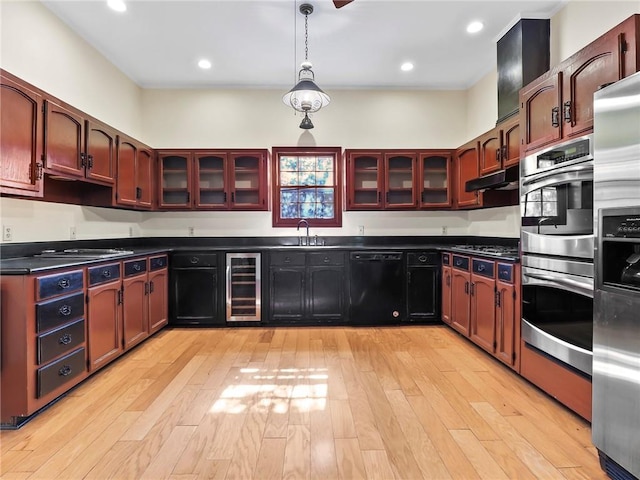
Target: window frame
pixel 336 153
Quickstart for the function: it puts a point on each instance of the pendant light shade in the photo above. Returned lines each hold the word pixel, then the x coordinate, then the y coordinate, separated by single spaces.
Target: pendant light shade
pixel 306 96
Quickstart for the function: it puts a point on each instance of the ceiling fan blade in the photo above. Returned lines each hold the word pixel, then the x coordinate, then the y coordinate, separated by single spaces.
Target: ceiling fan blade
pixel 341 3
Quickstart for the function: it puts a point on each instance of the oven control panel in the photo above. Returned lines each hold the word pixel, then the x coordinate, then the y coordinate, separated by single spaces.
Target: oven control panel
pixel 621 226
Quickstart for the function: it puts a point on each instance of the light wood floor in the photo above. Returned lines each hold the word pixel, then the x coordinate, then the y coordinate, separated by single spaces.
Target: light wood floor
pixel 407 403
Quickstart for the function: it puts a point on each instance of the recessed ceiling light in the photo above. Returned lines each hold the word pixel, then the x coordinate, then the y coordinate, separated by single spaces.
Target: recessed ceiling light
pixel 204 64
pixel 117 5
pixel 474 27
pixel 406 67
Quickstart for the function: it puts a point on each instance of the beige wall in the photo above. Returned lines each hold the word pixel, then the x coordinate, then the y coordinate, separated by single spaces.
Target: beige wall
pixel 38 47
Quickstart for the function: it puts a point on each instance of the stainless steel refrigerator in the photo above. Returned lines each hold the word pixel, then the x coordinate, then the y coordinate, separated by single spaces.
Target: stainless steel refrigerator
pixel 616 303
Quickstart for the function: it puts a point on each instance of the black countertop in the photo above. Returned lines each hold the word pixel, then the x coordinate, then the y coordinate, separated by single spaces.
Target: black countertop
pixel 22 259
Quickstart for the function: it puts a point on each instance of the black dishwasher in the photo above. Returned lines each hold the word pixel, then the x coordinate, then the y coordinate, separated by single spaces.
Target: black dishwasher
pixel 376 287
pixel 195 294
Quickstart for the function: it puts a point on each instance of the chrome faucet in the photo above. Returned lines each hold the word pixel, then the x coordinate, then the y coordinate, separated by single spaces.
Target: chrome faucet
pixel 302 241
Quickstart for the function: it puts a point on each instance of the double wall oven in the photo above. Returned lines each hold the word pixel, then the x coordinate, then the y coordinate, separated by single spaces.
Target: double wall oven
pixel 557 244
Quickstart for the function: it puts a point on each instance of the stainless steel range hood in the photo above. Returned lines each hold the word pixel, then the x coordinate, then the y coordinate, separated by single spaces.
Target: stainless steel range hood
pixel 506 179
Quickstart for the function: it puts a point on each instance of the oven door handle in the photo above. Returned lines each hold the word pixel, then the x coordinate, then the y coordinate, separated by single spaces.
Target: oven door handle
pixel 566 283
pixel 583 171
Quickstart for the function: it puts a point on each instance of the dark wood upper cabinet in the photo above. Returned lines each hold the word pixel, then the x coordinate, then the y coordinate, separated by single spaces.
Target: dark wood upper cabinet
pixel 510 153
pixel 500 146
pixel 135 175
pixel 64 141
pixel 213 180
pixel 365 181
pixel 77 147
pixel 434 178
pixel 490 150
pixel 467 168
pixel 559 104
pixel 101 145
pixel 400 180
pixel 21 139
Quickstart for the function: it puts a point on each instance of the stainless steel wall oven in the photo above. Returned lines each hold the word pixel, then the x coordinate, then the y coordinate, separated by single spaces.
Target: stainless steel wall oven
pixel 557 242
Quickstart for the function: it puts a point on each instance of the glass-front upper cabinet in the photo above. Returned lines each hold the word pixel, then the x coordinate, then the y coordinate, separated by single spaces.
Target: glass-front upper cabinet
pixel 175 177
pixel 434 179
pixel 364 180
pixel 400 189
pixel 213 179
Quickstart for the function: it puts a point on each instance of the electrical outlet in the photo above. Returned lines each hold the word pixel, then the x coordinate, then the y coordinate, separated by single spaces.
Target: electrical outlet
pixel 361 230
pixel 7 233
pixel 131 231
pixel 444 230
pixel 191 231
pixel 72 233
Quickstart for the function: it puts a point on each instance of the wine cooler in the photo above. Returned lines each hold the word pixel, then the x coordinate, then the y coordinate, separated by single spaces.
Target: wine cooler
pixel 243 287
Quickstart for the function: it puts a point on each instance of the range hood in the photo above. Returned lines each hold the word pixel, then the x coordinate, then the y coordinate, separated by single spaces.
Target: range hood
pixel 506 179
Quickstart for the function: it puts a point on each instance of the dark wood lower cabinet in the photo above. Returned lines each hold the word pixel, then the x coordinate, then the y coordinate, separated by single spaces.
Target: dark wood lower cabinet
pixel 105 323
pixel 423 294
pixel 307 287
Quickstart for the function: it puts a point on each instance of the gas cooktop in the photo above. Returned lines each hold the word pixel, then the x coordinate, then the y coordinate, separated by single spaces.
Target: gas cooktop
pixel 84 253
pixel 495 250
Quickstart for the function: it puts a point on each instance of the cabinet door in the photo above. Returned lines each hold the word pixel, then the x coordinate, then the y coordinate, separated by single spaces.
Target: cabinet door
pixel 248 184
pixel 482 331
pixel 211 181
pixel 135 310
pixel 158 301
pixel 175 179
pixel 21 139
pixel 460 282
pixel 364 181
pixel 195 296
pixel 101 153
pixel 422 293
pixel 506 318
pixel 511 142
pixel 144 178
pixel 400 180
pixel 446 295
pixel 540 111
pixel 287 293
pixel 104 324
pixel 598 64
pixel 325 288
pixel 491 151
pixel 467 169
pixel 126 172
pixel 63 143
pixel 434 178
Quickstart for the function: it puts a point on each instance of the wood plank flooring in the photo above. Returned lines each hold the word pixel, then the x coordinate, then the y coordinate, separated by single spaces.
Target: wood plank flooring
pixel 313 403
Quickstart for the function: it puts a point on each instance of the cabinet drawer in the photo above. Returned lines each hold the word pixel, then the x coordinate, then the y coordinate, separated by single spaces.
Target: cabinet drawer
pixel 57 312
pixel 505 272
pixel 58 284
pixel 157 263
pixel 483 267
pixel 329 258
pixel 422 258
pixel 461 263
pixel 135 267
pixel 104 273
pixel 59 341
pixel 282 258
pixel 182 260
pixel 60 372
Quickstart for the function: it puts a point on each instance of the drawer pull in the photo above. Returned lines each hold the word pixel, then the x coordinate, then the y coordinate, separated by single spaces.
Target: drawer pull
pixel 194 260
pixel 106 273
pixel 137 267
pixel 65 310
pixel 422 258
pixel 63 283
pixel 326 259
pixel 65 371
pixel 65 339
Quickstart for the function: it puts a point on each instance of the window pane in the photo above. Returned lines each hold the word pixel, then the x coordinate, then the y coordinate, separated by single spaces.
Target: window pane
pixel 289 178
pixel 307 178
pixel 308 210
pixel 325 164
pixel 307 164
pixel 324 178
pixel 308 195
pixel 288 164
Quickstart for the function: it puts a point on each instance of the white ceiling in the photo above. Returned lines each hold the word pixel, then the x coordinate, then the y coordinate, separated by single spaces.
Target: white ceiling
pixel 260 43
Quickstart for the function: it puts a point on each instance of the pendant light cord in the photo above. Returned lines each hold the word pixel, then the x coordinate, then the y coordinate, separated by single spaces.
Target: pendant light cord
pixel 306 37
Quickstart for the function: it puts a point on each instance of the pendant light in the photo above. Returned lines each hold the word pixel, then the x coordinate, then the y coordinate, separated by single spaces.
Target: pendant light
pixel 306 97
